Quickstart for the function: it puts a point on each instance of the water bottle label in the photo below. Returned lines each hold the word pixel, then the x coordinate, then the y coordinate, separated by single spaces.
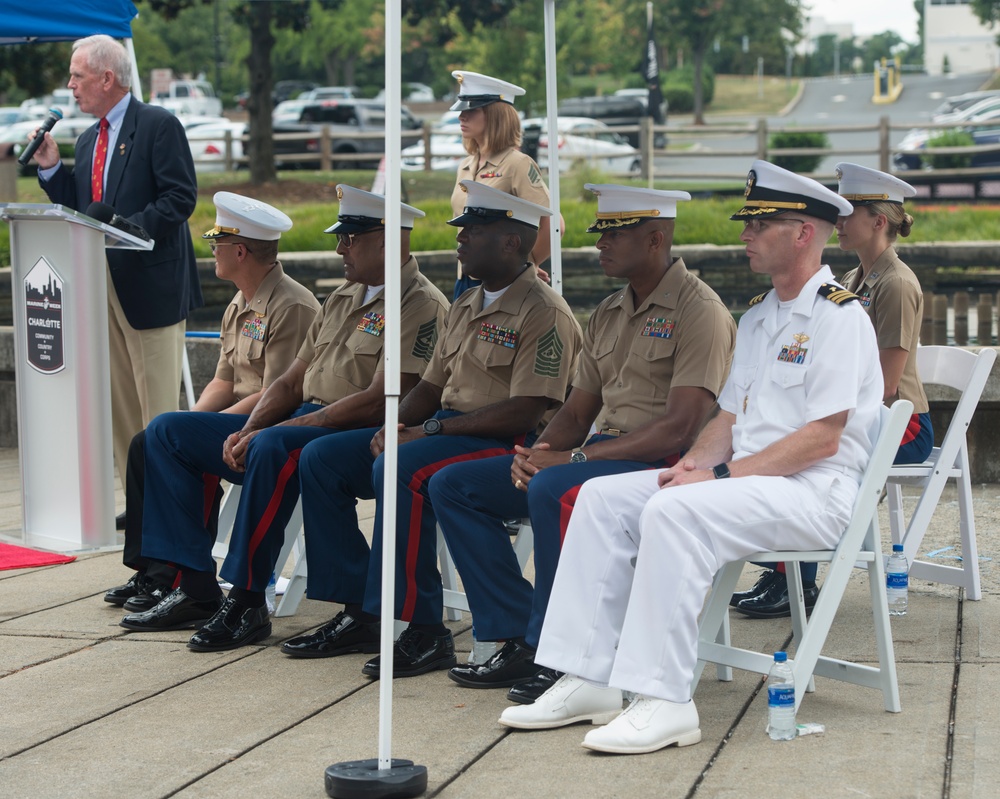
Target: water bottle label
pixel 780 696
pixel 897 580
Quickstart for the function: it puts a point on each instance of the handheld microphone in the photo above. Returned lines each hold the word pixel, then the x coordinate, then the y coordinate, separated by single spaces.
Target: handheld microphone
pixel 54 116
pixel 103 212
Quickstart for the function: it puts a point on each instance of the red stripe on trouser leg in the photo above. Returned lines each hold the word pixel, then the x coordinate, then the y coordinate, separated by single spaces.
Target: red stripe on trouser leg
pixel 291 465
pixel 912 429
pixel 211 485
pixel 417 482
pixel 566 503
pixel 568 500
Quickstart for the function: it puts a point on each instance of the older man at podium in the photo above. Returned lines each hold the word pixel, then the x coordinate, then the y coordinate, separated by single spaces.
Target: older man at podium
pixel 135 159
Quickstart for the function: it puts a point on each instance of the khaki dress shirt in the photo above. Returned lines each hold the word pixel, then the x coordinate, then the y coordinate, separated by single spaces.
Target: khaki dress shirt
pixel 526 344
pixel 894 301
pixel 680 335
pixel 344 345
pixel 260 339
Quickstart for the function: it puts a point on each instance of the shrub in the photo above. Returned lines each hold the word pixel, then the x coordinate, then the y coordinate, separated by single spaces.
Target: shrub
pixel 684 77
pixel 680 99
pixel 789 140
pixel 950 138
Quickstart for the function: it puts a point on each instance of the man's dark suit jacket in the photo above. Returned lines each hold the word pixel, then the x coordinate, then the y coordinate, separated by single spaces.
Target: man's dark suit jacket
pixel 151 182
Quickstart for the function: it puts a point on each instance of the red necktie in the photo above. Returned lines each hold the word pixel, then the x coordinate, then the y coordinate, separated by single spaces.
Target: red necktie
pixel 100 156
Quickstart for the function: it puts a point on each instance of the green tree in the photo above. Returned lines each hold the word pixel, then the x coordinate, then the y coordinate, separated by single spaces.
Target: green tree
pixel 988 12
pixel 696 24
pixel 27 70
pixel 259 17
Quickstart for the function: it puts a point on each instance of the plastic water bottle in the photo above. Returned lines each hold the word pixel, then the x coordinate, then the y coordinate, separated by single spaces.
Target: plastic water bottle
pixel 897 581
pixel 269 597
pixel 781 700
pixel 481 650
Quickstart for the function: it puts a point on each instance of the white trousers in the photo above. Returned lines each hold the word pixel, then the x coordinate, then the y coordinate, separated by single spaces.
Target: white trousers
pixel 638 561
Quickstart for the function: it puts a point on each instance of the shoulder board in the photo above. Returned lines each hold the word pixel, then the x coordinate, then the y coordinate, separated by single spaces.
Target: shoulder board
pixel 836 294
pixel 758 298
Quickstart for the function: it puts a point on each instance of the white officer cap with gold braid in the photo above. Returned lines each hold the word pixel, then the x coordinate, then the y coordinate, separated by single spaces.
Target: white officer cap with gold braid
pixel 236 215
pixel 361 210
pixel 862 185
pixel 475 90
pixel 622 207
pixel 486 204
pixel 772 190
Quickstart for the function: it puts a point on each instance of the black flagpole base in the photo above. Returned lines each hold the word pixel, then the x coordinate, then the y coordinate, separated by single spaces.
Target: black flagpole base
pixel 362 779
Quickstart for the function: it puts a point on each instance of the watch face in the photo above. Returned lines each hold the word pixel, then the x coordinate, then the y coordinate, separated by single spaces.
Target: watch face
pixel 578 457
pixel 432 427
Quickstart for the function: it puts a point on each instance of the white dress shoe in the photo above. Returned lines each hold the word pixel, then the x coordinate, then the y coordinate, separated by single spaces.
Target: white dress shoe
pixel 646 725
pixel 568 701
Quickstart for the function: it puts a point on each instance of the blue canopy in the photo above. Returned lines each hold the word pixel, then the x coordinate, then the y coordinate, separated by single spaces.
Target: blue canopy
pixel 64 20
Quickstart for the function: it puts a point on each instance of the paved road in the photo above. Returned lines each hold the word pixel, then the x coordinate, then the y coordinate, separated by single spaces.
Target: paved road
pixel 825 101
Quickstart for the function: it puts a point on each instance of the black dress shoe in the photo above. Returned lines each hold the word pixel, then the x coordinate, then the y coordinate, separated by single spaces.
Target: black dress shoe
pixel 774 603
pixel 338 637
pixel 120 521
pixel 526 692
pixel 151 596
pixel 233 626
pixel 417 652
pixel 121 594
pixel 763 583
pixel 177 612
pixel 512 664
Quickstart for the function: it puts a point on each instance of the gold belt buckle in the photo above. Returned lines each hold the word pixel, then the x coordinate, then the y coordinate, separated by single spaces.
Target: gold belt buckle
pixel 611 431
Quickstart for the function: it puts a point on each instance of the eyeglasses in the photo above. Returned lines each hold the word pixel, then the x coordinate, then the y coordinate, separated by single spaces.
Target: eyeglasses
pixel 758 226
pixel 216 244
pixel 346 240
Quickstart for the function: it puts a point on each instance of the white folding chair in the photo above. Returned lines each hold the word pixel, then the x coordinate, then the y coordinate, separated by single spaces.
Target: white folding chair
pixel 455 600
pixel 860 543
pixel 966 372
pixel 294 541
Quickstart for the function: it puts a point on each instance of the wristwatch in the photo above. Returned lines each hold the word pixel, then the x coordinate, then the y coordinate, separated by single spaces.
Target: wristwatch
pixel 432 427
pixel 720 471
pixel 578 456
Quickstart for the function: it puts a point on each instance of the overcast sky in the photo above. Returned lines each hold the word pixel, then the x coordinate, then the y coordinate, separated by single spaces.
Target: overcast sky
pixel 870 16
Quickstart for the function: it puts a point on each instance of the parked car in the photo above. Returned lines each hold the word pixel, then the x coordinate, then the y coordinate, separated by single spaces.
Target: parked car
pixel 961 101
pixel 615 111
pixel 909 147
pixel 344 119
pixel 38 107
pixel 9 114
pixel 290 89
pixel 330 93
pixel 289 110
pixel 589 140
pixel 14 138
pixel 981 136
pixel 208 144
pixel 189 97
pixel 579 139
pixel 983 107
pixel 412 93
pixel 447 151
pixel 642 95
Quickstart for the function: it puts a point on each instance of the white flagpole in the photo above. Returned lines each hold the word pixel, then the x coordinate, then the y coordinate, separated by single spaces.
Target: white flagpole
pixel 552 103
pixel 393 101
pixel 386 777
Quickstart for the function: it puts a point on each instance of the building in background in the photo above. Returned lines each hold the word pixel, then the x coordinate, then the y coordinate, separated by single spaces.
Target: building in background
pixel 955 40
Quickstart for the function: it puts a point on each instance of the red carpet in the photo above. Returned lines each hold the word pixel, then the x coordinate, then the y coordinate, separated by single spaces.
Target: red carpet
pixel 12 557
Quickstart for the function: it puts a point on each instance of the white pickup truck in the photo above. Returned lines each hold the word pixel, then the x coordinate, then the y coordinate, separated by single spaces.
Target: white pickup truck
pixel 190 98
